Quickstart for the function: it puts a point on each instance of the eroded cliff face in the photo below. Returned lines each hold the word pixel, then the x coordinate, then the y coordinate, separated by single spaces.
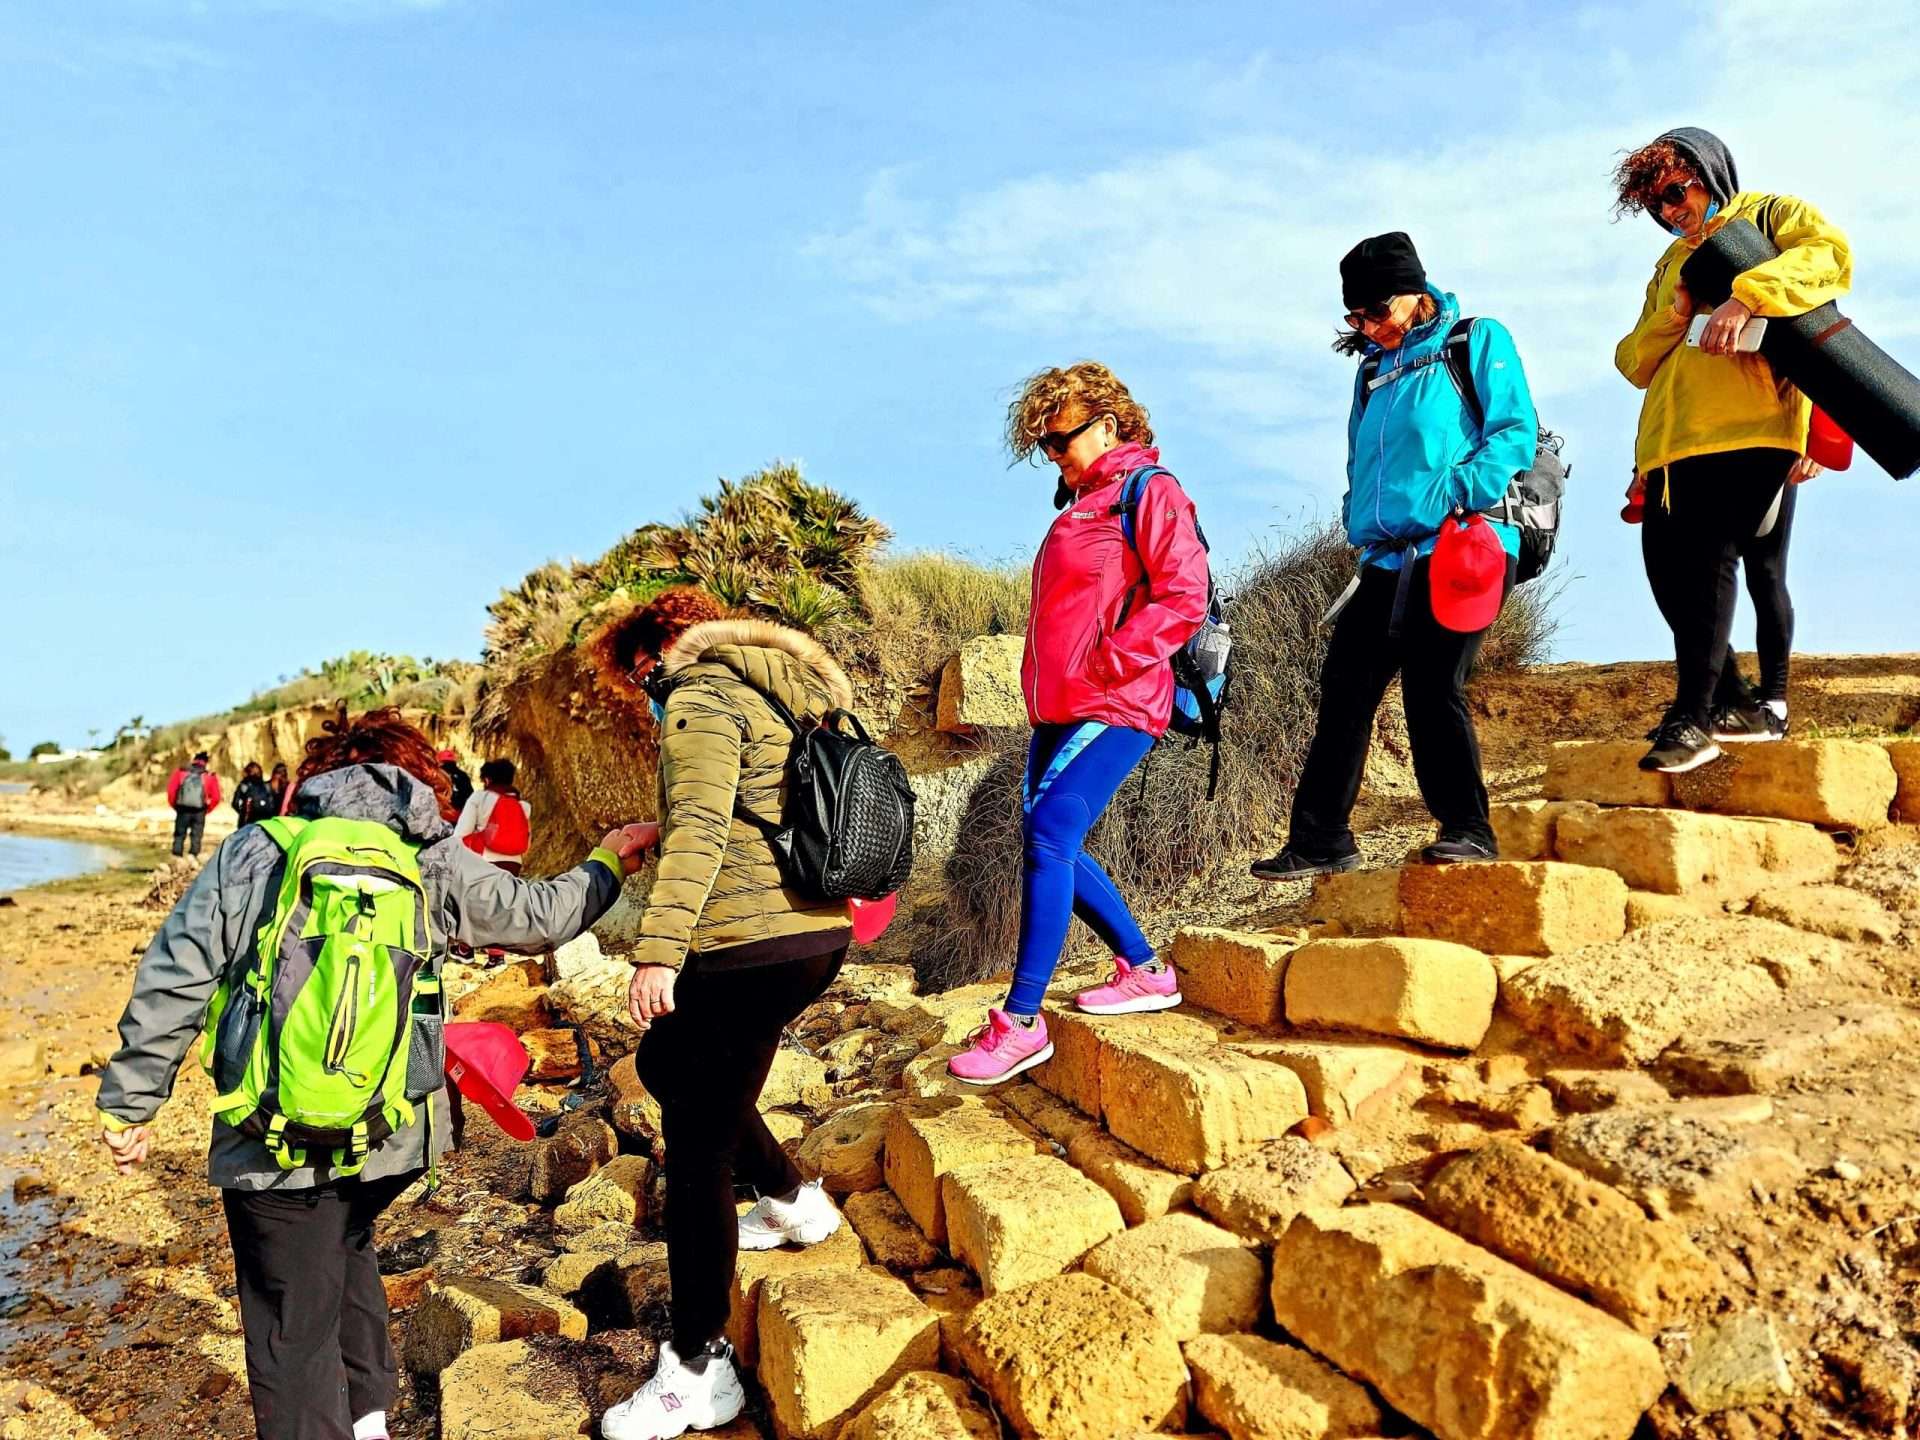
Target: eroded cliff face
pixel 280 739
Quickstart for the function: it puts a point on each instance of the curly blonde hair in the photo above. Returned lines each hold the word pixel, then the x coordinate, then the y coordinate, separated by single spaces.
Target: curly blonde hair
pixel 1088 384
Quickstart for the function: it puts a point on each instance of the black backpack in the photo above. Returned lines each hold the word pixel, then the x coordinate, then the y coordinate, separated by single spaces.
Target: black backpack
pixel 848 830
pixel 1532 501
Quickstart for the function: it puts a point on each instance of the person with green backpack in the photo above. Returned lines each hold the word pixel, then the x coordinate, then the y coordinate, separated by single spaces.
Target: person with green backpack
pixel 305 959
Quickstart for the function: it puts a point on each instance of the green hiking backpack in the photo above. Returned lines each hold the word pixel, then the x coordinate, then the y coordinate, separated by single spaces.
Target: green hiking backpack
pixel 333 1032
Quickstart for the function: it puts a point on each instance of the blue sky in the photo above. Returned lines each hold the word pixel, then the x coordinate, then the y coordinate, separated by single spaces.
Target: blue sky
pixel 324 320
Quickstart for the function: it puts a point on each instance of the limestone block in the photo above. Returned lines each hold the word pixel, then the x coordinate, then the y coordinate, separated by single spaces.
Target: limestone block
pixel 1345 1080
pixel 1679 852
pixel 1024 1219
pixel 845 1149
pixel 1735 1363
pixel 1046 1112
pixel 1257 1389
pixel 1195 1110
pixel 536 1389
pixel 1585 1091
pixel 796 1079
pixel 1847 784
pixel 1432 991
pixel 634 1112
pixel 1258 1195
pixel 1500 1353
pixel 1762 1057
pixel 568 1272
pixel 1196 1278
pixel 515 995
pixel 1647 907
pixel 1142 1189
pixel 1232 972
pixel 833 1340
pixel 1513 907
pixel 1584 1236
pixel 1079 1041
pixel 925 1405
pixel 1836 910
pixel 555 1054
pixel 615 1192
pixel 1524 829
pixel 1606 772
pixel 891 1237
pixel 839 1251
pixel 928 1138
pixel 1072 1358
pixel 581 1146
pixel 980 685
pixel 1671 1162
pixel 1360 902
pixel 468 1310
pixel 1905 755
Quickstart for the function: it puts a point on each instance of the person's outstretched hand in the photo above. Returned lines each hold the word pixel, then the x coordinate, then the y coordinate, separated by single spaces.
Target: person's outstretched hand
pixel 129 1146
pixel 632 842
pixel 650 995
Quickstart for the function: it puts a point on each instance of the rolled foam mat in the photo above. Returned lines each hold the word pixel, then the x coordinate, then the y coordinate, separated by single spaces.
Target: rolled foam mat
pixel 1872 396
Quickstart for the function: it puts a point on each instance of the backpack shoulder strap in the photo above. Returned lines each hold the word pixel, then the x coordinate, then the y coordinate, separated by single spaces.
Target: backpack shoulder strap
pixel 283 830
pixel 1128 506
pixel 1459 357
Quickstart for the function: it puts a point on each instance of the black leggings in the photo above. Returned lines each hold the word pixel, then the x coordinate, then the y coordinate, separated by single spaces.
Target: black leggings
pixel 706 1064
pixel 1702 519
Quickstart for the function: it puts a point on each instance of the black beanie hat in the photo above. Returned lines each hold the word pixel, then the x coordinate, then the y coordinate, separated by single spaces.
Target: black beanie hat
pixel 1381 267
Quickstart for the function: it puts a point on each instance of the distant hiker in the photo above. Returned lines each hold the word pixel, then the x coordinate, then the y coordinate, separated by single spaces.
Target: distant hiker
pixel 277 783
pixel 1107 617
pixel 728 956
pixel 301 1196
pixel 1722 444
pixel 253 799
pixel 1434 569
pixel 192 791
pixel 462 782
pixel 496 823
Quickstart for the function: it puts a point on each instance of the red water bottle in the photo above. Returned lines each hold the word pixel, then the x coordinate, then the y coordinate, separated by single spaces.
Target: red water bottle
pixel 1827 444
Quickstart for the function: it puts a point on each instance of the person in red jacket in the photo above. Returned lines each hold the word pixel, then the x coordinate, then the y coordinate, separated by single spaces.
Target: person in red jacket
pixel 192 791
pixel 1106 620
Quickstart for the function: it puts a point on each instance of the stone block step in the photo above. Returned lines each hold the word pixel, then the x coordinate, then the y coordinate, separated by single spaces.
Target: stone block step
pixel 925 1405
pixel 927 1139
pixel 1513 907
pixel 1354 1286
pixel 1345 1080
pixel 1195 1278
pixel 1841 784
pixel 841 1251
pixel 1233 973
pixel 1193 1110
pixel 1431 991
pixel 1760 1058
pixel 1676 1160
pixel 833 1340
pixel 1250 1386
pixel 1695 856
pixel 1024 1219
pixel 1257 1196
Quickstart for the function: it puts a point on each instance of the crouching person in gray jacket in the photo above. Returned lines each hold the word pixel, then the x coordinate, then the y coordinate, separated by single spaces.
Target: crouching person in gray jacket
pixel 354 920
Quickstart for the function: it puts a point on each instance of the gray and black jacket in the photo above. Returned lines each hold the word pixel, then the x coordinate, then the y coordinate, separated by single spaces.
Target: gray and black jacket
pixel 211 934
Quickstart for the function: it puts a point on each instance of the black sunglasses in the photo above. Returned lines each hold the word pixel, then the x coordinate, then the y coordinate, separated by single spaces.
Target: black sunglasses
pixel 1055 442
pixel 1375 312
pixel 1674 194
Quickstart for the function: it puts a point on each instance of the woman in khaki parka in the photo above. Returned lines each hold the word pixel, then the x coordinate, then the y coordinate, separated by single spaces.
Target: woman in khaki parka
pixel 728 957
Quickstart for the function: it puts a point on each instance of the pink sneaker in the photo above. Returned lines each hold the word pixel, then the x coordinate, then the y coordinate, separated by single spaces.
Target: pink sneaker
pixel 1132 989
pixel 1001 1049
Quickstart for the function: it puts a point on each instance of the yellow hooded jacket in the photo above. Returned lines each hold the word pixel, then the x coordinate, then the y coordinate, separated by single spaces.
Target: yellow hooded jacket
pixel 1701 404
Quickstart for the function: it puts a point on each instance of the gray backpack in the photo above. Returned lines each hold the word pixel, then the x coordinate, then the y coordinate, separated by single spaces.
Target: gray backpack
pixel 192 794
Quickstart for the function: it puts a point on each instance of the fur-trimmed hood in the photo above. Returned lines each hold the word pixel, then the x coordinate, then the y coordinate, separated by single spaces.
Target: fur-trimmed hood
pixel 708 643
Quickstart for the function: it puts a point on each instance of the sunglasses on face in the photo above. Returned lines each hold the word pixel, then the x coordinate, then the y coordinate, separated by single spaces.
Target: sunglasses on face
pixel 1674 194
pixel 1055 442
pixel 1376 312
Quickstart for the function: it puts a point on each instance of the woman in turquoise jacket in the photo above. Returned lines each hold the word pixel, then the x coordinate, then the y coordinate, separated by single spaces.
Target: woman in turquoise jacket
pixel 1416 454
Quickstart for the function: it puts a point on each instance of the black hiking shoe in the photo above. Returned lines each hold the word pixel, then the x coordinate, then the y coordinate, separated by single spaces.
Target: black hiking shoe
pixel 1746 724
pixel 1680 746
pixel 1290 864
pixel 1458 850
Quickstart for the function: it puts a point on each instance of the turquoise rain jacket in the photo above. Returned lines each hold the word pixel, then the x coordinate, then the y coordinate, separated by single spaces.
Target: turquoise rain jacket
pixel 1413 454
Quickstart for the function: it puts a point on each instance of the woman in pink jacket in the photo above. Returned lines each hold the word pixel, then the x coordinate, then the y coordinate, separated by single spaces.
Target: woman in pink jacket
pixel 1107 617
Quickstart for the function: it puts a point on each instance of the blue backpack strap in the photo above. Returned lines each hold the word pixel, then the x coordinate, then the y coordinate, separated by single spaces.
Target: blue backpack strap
pixel 1459 357
pixel 1128 506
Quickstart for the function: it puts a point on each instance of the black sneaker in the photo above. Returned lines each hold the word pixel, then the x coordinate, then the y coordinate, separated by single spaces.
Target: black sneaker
pixel 1290 864
pixel 1746 724
pixel 1457 850
pixel 1680 746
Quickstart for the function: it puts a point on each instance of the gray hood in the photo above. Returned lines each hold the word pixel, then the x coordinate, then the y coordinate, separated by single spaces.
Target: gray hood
pixel 403 803
pixel 1710 158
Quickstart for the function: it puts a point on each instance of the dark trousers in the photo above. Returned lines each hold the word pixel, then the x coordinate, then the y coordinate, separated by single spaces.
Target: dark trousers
pixel 312 1305
pixel 1702 516
pixel 1433 664
pixel 188 823
pixel 706 1064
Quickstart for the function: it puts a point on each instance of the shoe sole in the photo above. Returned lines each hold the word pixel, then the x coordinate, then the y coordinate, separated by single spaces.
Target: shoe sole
pixel 1705 757
pixel 1340 867
pixel 1459 859
pixel 1746 739
pixel 1039 1057
pixel 723 1414
pixel 1140 1006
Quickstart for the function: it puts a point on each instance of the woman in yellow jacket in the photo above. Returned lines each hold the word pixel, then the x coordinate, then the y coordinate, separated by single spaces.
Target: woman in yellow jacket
pixel 1722 441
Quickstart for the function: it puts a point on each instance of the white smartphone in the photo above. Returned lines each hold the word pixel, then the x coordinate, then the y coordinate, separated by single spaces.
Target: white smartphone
pixel 1750 337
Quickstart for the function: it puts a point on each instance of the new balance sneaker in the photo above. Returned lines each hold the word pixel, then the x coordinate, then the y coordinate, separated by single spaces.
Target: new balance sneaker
pixel 1132 989
pixel 1001 1049
pixel 1457 850
pixel 1680 746
pixel 807 1219
pixel 1290 864
pixel 679 1398
pixel 1747 724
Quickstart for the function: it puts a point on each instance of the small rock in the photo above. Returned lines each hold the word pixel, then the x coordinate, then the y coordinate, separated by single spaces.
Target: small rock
pixel 215 1385
pixel 29 1184
pixel 1735 1363
pixel 1848 1171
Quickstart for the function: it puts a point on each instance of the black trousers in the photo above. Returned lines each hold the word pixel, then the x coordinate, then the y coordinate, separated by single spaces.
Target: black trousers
pixel 312 1305
pixel 1433 663
pixel 1702 519
pixel 188 823
pixel 706 1064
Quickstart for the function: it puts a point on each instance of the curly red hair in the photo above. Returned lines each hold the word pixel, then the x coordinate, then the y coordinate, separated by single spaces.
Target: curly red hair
pixel 379 737
pixel 1637 175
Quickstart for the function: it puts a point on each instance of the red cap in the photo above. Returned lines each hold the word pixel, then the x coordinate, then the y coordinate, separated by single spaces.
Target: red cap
pixel 487 1062
pixel 445 755
pixel 871 917
pixel 1827 443
pixel 1468 574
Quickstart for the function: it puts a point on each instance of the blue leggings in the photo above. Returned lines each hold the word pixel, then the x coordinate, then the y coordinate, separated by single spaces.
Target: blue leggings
pixel 1072 774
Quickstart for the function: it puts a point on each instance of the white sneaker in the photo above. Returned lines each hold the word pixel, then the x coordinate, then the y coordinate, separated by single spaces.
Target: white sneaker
pixel 807 1220
pixel 677 1400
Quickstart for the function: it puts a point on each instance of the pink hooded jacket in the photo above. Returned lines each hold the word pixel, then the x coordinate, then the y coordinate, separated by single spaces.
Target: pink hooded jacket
pixel 1092 655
